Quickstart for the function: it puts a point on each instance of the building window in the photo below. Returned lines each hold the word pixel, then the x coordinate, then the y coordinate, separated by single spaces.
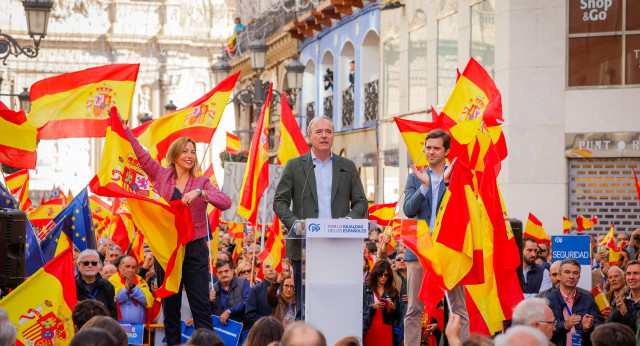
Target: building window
pixel 418 63
pixel 447 55
pixel 604 44
pixel 391 70
pixel 483 35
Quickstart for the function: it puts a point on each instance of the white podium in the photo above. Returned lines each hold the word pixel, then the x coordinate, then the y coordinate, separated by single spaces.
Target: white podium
pixel 332 274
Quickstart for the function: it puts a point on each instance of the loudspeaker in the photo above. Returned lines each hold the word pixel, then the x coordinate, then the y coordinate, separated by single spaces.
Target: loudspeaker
pixel 516 227
pixel 13 227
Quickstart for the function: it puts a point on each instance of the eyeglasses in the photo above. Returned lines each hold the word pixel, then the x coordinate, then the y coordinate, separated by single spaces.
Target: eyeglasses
pixel 86 263
pixel 290 287
pixel 245 271
pixel 399 259
pixel 384 275
pixel 550 322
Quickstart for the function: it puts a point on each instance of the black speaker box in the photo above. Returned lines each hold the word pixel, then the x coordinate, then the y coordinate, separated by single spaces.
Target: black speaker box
pixel 13 226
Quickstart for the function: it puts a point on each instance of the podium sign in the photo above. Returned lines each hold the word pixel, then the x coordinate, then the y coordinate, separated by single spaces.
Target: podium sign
pixel 333 276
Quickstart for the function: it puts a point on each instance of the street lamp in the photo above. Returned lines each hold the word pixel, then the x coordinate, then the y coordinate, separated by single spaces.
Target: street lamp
pixel 258 51
pixel 170 107
pixel 295 71
pixel 25 102
pixel 220 70
pixel 37 12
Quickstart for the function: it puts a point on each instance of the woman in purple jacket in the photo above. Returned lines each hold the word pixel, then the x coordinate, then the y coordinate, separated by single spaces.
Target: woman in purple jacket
pixel 178 181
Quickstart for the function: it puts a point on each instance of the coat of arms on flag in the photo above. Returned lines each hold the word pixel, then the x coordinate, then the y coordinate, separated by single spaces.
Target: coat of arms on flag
pixel 99 101
pixel 44 325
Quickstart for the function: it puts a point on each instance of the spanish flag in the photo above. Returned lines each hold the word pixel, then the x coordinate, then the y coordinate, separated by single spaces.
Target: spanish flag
pixel 601 299
pixel 291 143
pixel 566 225
pixel 18 184
pixel 198 121
pixel 76 104
pixel 637 183
pixel 256 175
pixel 382 213
pixel 237 250
pixel 43 214
pixel 584 224
pixel 209 173
pixel 17 139
pixel 610 239
pixel 273 252
pixel 41 307
pixel 236 229
pixel 166 226
pixel 233 144
pixel 534 230
pixel 125 233
pixel 414 134
pixel 99 208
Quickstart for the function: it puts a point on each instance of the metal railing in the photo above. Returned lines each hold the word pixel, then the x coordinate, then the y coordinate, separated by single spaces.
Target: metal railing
pixel 327 107
pixel 371 101
pixel 310 111
pixel 348 104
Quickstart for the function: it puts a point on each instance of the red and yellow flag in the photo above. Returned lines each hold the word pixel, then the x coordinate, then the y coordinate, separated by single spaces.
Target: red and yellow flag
pixel 637 182
pixel 125 233
pixel 41 307
pixel 414 134
pixel 584 224
pixel 209 173
pixel 236 229
pixel 291 143
pixel 534 230
pixel 273 252
pixel 382 213
pixel 17 139
pixel 198 121
pixel 256 175
pixel 43 214
pixel 566 225
pixel 75 105
pixel 610 239
pixel 601 299
pixel 18 184
pixel 233 144
pixel 237 250
pixel 166 226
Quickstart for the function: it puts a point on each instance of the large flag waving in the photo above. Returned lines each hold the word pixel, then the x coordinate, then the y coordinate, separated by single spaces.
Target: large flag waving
pixel 414 134
pixel 382 213
pixel 43 214
pixel 41 307
pixel 166 226
pixel 233 144
pixel 81 226
pixel 256 175
pixel 534 230
pixel 566 225
pixel 291 143
pixel 58 239
pixel 75 105
pixel 17 139
pixel 273 252
pixel 18 184
pixel 198 121
pixel 584 223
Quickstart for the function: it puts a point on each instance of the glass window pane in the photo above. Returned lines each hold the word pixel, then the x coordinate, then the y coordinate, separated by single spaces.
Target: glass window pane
pixel 447 56
pixel 392 76
pixel 595 61
pixel 391 184
pixel 418 68
pixel 633 14
pixel 483 35
pixel 595 16
pixel 633 59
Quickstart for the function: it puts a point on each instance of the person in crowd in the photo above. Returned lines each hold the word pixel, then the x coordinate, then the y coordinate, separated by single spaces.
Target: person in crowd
pixel 544 251
pixel 634 244
pixel 93 337
pixel 424 191
pixel 86 310
pixel 613 333
pixel 374 236
pixel 8 331
pixel 224 256
pixel 535 312
pixel 314 175
pixel 178 181
pixel 300 334
pixel 617 283
pixel 365 268
pixel 348 341
pixel 109 325
pixel 599 275
pixel 574 309
pixel 380 305
pixel 626 307
pixel 226 239
pixel 400 281
pixel 622 236
pixel 523 336
pixel 132 293
pixel 281 297
pixel 265 331
pixel 231 295
pixel 371 249
pixel 205 337
pixel 536 278
pixel 238 26
pixel 244 271
pixel 113 252
pixel 103 245
pixel 147 264
pixel 108 270
pixel 624 258
pixel 257 305
pixel 248 240
pixel 554 275
pixel 286 268
pixel 152 282
pixel 89 283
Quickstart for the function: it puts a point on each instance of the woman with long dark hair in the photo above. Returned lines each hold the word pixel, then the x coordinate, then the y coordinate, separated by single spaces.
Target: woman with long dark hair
pixel 281 297
pixel 178 181
pixel 380 306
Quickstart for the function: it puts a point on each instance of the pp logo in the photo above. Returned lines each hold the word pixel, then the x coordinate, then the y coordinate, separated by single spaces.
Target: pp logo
pixel 314 227
pixel 558 240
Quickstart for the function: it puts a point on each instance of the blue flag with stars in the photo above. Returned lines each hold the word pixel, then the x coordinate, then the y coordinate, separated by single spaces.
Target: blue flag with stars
pixel 57 239
pixel 81 225
pixel 6 199
pixel 33 258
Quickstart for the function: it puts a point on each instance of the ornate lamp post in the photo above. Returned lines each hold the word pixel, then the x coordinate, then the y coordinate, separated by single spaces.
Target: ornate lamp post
pixel 37 21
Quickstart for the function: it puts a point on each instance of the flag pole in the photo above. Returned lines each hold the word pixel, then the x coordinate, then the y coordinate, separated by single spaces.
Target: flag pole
pixel 264 221
pixel 106 256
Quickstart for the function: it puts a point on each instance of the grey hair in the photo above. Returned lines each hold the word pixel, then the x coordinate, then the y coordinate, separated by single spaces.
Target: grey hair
pixel 8 331
pixel 529 311
pixel 115 247
pixel 88 252
pixel 315 121
pixel 513 336
pixel 618 269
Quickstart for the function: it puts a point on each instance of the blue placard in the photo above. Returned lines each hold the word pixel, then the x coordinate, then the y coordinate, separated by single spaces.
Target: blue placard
pixel 186 333
pixel 230 333
pixel 571 246
pixel 135 333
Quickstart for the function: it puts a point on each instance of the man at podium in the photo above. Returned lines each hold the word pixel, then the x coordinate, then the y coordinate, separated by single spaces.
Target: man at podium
pixel 321 185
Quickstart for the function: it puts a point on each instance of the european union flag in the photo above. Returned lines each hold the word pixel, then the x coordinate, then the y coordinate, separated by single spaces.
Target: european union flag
pixel 57 239
pixel 81 227
pixel 6 199
pixel 34 258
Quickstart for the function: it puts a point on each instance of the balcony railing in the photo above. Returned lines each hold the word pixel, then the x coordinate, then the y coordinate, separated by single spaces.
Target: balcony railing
pixel 371 101
pixel 327 106
pixel 347 107
pixel 310 111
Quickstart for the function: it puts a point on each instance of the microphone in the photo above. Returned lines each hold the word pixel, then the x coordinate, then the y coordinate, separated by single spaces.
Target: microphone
pixel 303 188
pixel 343 170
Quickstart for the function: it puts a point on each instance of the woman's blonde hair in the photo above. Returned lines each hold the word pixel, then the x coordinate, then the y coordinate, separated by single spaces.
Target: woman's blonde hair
pixel 174 152
pixel 242 265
